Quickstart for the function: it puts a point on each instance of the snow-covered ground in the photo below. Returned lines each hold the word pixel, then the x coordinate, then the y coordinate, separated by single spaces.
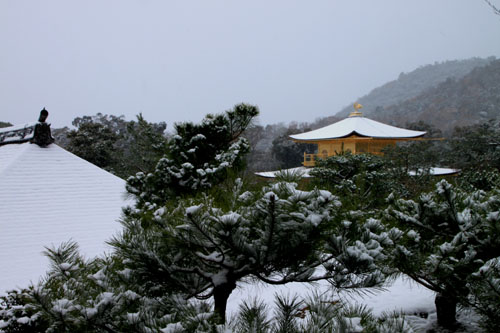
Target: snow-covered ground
pixel 400 295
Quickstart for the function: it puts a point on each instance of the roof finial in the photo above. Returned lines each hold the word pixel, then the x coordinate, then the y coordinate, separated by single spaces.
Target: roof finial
pixel 356 112
pixel 42 135
pixel 43 115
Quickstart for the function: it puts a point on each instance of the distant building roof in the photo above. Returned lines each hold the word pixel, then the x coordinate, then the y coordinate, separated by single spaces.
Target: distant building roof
pixel 299 171
pixel 305 172
pixel 360 126
pixel 49 196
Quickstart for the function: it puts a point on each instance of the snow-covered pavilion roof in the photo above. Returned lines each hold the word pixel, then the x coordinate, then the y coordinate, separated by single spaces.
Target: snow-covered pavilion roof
pixel 305 172
pixel 360 126
pixel 49 196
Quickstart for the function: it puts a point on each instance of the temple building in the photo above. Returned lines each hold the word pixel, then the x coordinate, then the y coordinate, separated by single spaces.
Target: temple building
pixel 355 134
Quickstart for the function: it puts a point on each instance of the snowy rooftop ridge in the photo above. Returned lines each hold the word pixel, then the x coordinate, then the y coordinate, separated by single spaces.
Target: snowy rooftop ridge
pixel 38 132
pixel 17 134
pixel 360 126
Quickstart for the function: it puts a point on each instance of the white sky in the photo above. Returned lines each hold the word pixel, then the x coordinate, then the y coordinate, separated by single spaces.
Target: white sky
pixel 178 60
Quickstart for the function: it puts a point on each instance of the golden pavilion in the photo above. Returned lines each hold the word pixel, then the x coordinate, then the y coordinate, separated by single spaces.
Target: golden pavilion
pixel 355 134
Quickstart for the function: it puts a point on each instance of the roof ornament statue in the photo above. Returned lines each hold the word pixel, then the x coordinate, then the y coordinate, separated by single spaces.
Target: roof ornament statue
pixel 356 112
pixel 42 135
pixel 34 132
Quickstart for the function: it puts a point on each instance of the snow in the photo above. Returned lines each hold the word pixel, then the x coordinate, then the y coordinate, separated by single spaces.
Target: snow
pixel 360 126
pixel 175 327
pixel 300 171
pixel 315 219
pixel 435 171
pixel 305 172
pixel 401 295
pixel 49 196
pixel 17 127
pixel 193 209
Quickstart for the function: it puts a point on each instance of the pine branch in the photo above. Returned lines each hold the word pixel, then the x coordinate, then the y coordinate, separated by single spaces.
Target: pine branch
pixel 425 282
pixel 200 229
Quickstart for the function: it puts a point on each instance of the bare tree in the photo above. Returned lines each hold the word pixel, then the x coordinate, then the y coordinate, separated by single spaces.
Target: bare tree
pixel 496 10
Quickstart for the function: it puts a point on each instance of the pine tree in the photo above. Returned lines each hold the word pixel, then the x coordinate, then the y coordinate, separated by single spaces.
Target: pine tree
pixel 94 142
pixel 361 181
pixel 442 240
pixel 178 237
pixel 199 157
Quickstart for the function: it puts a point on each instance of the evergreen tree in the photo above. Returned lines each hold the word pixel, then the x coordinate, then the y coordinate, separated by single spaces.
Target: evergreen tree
pixel 144 144
pixel 94 142
pixel 277 236
pixel 5 124
pixel 288 153
pixel 199 157
pixel 203 247
pixel 476 147
pixel 442 241
pixel 361 181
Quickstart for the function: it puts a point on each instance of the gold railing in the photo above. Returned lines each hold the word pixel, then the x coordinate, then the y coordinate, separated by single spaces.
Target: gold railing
pixel 309 159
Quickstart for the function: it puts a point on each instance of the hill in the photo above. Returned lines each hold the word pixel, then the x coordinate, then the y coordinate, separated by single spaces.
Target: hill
pixel 471 99
pixel 412 84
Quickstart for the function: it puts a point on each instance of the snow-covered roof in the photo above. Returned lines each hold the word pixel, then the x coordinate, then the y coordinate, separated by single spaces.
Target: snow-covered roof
pixel 360 126
pixel 49 196
pixel 305 172
pixel 299 171
pixel 18 133
pixel 435 171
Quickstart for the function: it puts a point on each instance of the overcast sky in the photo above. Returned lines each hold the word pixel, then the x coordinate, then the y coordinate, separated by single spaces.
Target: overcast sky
pixel 179 60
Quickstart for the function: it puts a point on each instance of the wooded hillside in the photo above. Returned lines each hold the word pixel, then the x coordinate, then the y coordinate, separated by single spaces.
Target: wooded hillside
pixel 412 84
pixel 472 99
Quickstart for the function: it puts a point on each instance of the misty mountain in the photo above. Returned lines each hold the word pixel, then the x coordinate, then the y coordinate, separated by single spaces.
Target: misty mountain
pixel 412 84
pixel 471 99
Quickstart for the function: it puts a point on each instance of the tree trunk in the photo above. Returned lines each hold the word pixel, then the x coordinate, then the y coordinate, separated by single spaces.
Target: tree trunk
pixel 221 294
pixel 446 309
